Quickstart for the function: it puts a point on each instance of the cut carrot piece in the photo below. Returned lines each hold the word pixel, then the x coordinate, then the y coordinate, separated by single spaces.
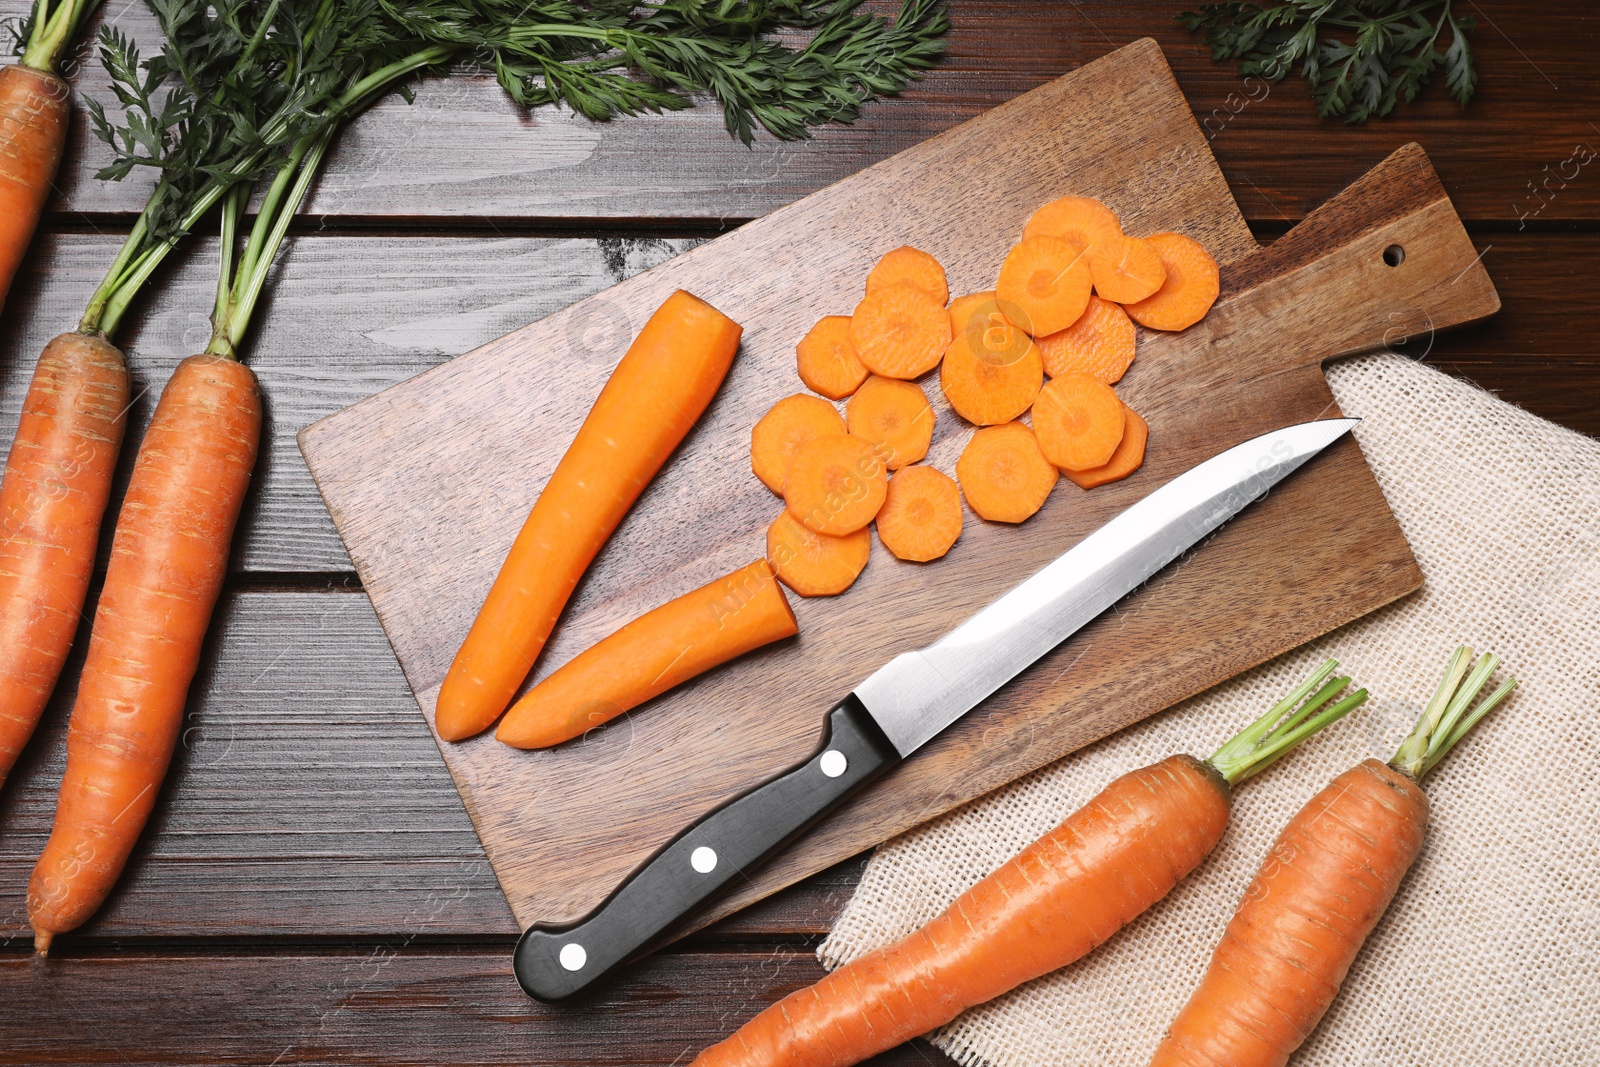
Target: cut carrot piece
pixel 1100 344
pixel 1079 421
pixel 836 484
pixel 991 376
pixel 827 361
pixel 909 266
pixel 895 416
pixel 1126 269
pixel 814 564
pixel 1047 281
pixel 963 308
pixel 921 517
pixel 1189 290
pixel 1003 473
pixel 1082 220
pixel 792 422
pixel 1128 457
pixel 900 331
pixel 659 650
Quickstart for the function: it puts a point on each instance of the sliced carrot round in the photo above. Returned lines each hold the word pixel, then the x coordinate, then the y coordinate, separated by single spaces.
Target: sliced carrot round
pixel 921 517
pixel 1047 281
pixel 1100 344
pixel 1079 422
pixel 1003 473
pixel 900 331
pixel 792 422
pixel 1128 457
pixel 963 308
pixel 1126 269
pixel 991 376
pixel 836 484
pixel 893 415
pixel 814 564
pixel 909 266
pixel 1082 220
pixel 827 361
pixel 1190 288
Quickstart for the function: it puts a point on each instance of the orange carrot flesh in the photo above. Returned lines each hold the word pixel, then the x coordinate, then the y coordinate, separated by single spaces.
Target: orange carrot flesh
pixel 836 484
pixel 921 517
pixel 909 266
pixel 991 376
pixel 1046 281
pixel 1079 421
pixel 1082 220
pixel 653 398
pixel 900 331
pixel 57 483
pixel 1324 885
pixel 35 107
pixel 1100 344
pixel 963 308
pixel 169 557
pixel 827 361
pixel 658 651
pixel 1190 288
pixel 792 422
pixel 894 416
pixel 1128 457
pixel 1126 269
pixel 1003 473
pixel 1064 895
pixel 814 564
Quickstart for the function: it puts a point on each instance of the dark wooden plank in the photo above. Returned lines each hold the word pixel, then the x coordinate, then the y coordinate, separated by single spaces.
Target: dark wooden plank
pixel 470 154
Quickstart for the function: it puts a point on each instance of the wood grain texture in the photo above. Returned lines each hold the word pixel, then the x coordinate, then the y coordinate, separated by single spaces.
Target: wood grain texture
pixel 427 516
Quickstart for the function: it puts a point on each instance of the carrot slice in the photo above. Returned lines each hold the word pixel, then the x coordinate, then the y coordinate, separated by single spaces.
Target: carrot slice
pixel 1190 288
pixel 963 308
pixel 1003 473
pixel 1126 269
pixel 836 484
pixel 827 361
pixel 1128 457
pixel 792 422
pixel 991 376
pixel 1100 344
pixel 921 517
pixel 1079 421
pixel 814 564
pixel 895 416
pixel 1082 220
pixel 900 331
pixel 909 266
pixel 1047 281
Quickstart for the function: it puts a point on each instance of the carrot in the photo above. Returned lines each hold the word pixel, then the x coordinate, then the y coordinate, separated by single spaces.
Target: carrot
pixel 1056 901
pixel 827 361
pixel 792 422
pixel 1324 885
pixel 1190 288
pixel 921 517
pixel 1003 475
pixel 35 107
pixel 1100 344
pixel 659 650
pixel 991 376
pixel 836 484
pixel 1047 281
pixel 1079 421
pixel 963 309
pixel 895 416
pixel 814 564
pixel 1128 457
pixel 1126 269
pixel 57 482
pixel 909 266
pixel 654 396
pixel 169 557
pixel 1082 220
pixel 900 331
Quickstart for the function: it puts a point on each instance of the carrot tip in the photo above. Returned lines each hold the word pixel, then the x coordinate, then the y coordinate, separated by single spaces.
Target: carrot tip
pixel 41 941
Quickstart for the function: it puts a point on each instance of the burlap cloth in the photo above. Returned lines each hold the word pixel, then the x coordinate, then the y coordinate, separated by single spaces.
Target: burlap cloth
pixel 1490 953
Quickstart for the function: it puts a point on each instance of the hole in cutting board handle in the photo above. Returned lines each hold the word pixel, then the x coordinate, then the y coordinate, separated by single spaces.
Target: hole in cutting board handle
pixel 1394 255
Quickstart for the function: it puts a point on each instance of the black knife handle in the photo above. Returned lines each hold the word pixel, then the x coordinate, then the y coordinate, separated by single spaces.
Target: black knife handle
pixel 553 964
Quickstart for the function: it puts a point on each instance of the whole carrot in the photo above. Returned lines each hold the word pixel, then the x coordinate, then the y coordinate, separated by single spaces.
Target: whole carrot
pixel 1055 902
pixel 1325 884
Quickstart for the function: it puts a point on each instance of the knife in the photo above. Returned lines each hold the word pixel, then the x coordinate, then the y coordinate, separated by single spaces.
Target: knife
pixel 910 701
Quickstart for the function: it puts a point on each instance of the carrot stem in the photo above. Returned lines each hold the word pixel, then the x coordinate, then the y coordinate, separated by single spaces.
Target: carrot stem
pixel 50 31
pixel 1290 721
pixel 1445 720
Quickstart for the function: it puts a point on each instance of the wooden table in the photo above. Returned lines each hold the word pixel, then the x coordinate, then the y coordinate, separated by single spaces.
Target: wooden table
pixel 310 889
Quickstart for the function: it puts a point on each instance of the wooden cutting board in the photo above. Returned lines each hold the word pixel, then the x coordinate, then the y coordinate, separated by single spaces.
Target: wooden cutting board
pixel 430 480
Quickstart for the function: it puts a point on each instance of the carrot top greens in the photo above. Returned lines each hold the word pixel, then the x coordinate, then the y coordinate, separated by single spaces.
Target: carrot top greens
pixel 1446 719
pixel 1286 724
pixel 49 29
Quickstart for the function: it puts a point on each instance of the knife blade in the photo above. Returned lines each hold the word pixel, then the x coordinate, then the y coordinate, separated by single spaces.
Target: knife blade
pixel 909 701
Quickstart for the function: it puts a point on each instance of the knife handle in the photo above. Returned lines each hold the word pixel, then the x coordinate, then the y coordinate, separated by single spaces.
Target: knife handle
pixel 556 963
